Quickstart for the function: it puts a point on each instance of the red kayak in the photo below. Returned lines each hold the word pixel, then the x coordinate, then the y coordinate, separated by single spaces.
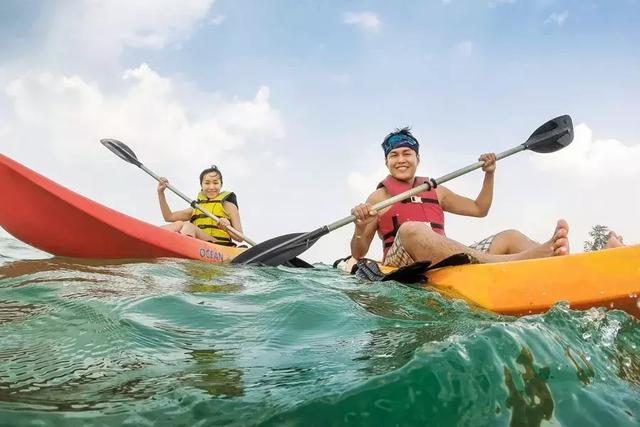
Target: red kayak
pixel 54 219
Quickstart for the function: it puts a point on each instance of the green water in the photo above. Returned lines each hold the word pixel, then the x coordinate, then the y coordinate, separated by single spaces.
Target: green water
pixel 177 342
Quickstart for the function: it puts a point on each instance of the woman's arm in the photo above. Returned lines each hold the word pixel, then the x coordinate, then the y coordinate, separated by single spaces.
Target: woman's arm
pixel 234 215
pixel 167 214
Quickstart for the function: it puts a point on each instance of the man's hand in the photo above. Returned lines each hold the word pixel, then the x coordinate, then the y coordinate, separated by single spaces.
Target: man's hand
pixel 364 214
pixel 489 160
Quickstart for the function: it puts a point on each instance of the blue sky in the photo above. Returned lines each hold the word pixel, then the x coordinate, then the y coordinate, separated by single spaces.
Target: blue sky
pixel 292 98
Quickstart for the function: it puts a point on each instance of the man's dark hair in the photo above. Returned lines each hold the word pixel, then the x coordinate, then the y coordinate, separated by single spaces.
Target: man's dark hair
pixel 406 131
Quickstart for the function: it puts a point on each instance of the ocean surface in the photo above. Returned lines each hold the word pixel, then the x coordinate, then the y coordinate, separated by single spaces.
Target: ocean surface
pixel 182 343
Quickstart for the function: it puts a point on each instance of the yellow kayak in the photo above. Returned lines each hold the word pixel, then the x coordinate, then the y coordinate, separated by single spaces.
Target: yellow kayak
pixel 608 278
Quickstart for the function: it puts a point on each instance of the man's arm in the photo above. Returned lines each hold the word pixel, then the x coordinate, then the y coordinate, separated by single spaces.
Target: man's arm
pixel 366 224
pixel 460 205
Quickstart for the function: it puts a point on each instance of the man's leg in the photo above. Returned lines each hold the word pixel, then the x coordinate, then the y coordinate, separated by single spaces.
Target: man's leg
pixel 423 244
pixel 510 242
pixel 614 240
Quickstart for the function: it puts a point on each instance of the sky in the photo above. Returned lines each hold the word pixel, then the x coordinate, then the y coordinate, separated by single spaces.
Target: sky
pixel 291 100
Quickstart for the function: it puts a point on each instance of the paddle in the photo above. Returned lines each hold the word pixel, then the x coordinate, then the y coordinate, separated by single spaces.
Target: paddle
pixel 551 136
pixel 123 151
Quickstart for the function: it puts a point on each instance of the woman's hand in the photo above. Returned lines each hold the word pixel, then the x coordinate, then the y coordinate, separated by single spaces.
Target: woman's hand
pixel 223 223
pixel 162 184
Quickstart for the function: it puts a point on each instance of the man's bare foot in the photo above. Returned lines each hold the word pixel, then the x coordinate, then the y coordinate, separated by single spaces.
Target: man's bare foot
pixel 557 245
pixel 613 241
pixel 560 239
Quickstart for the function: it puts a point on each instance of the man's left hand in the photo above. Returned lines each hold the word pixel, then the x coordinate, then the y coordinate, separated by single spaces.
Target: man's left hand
pixel 489 160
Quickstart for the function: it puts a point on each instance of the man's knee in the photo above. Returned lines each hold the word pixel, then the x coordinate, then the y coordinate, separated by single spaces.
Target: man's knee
pixel 511 233
pixel 412 229
pixel 509 242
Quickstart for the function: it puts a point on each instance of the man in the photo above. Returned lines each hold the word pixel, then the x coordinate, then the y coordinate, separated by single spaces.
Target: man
pixel 413 230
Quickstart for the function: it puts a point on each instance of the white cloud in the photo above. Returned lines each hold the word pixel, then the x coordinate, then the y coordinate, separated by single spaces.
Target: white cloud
pixel 590 160
pixel 53 124
pixel 363 184
pixel 557 18
pixel 68 111
pixel 367 21
pixel 105 27
pixel 595 182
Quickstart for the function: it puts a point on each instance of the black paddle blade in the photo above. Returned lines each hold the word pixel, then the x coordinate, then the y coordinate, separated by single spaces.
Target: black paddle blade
pixel 121 150
pixel 280 249
pixel 551 136
pixel 409 274
pixel 298 263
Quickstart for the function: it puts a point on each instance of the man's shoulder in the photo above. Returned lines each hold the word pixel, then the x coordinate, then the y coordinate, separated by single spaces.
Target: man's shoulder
pixel 379 195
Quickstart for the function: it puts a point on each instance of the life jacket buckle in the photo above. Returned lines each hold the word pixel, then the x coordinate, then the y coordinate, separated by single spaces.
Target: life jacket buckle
pixel 416 199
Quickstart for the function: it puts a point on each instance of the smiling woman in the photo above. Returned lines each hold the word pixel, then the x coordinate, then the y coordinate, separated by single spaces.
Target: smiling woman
pixel 192 222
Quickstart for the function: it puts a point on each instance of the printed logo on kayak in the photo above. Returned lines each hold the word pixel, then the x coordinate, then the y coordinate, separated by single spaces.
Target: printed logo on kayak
pixel 211 254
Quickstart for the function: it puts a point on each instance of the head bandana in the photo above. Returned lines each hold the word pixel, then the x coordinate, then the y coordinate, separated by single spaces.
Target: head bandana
pixel 399 140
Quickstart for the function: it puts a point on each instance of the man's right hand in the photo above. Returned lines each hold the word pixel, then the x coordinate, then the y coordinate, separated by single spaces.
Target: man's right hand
pixel 364 214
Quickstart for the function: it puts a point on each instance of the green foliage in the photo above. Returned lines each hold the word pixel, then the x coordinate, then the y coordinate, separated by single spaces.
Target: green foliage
pixel 598 236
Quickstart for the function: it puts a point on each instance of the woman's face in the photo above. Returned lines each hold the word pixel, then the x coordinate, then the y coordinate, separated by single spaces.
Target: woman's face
pixel 211 184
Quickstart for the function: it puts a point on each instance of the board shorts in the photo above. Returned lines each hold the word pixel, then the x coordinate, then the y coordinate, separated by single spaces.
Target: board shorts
pixel 397 256
pixel 484 244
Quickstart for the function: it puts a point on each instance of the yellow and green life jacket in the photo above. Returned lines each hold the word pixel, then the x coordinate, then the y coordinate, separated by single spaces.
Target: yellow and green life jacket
pixel 214 206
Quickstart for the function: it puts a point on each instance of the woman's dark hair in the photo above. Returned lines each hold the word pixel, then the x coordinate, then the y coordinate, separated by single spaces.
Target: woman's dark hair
pixel 212 168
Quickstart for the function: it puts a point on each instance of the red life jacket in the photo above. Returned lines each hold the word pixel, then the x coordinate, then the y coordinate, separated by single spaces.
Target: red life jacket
pixel 423 207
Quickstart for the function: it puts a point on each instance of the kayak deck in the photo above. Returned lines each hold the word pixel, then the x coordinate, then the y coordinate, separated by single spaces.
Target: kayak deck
pixel 57 220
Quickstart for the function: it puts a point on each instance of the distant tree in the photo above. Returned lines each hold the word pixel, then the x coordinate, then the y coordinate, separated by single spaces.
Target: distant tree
pixel 598 236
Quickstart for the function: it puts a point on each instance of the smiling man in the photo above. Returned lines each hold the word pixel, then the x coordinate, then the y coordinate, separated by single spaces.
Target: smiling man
pixel 414 229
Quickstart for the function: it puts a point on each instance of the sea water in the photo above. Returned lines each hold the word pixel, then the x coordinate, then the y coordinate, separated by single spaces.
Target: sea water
pixel 183 343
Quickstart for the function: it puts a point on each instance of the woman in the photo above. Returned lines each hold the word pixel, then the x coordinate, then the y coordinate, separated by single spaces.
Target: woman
pixel 194 223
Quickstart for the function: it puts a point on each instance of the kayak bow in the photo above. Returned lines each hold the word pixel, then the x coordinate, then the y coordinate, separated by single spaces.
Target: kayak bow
pixel 57 220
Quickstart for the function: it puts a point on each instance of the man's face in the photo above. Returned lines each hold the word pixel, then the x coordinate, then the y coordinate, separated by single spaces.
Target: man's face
pixel 402 163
